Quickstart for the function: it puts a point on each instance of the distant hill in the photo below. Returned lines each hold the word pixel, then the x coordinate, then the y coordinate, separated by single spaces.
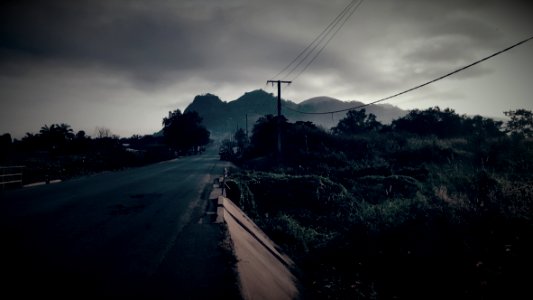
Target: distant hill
pixel 222 117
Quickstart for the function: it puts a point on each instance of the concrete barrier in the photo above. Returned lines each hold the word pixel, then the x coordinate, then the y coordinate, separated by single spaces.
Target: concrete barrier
pixel 264 271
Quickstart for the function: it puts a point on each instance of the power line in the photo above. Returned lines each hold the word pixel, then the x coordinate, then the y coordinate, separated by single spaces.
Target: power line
pixel 307 51
pixel 418 86
pixel 332 24
pixel 341 20
pixel 328 41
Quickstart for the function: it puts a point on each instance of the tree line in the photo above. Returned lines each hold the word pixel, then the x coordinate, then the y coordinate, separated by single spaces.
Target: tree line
pixel 57 151
pixel 441 123
pixel 434 205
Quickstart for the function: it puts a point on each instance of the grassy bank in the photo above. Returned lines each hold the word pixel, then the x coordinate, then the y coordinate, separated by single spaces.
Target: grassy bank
pixel 388 215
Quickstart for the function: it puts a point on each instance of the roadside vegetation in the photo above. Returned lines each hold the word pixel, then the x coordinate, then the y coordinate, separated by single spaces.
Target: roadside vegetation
pixel 433 206
pixel 58 152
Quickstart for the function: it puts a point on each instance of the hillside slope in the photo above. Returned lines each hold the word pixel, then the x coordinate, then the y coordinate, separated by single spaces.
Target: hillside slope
pixel 222 117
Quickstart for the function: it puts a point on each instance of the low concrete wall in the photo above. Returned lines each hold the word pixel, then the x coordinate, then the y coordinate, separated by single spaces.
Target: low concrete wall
pixel 264 272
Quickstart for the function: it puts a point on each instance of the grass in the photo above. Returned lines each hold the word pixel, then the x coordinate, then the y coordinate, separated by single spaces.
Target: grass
pixel 416 218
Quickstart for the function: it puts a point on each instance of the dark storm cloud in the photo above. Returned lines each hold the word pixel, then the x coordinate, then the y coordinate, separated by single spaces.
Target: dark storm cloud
pixel 161 41
pixel 411 42
pixel 153 40
pixel 146 42
pixel 142 56
pixel 94 33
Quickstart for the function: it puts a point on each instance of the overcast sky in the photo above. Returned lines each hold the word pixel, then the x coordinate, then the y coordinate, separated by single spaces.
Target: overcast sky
pixel 125 64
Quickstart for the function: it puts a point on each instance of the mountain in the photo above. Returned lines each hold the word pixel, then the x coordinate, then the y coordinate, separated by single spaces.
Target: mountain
pixel 385 113
pixel 222 117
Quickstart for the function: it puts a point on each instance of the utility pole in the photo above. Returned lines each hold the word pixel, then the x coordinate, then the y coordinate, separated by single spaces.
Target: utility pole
pixel 279 82
pixel 246 125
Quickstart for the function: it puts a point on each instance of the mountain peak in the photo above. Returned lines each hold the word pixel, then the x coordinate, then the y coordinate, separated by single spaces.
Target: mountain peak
pixel 222 117
pixel 205 104
pixel 254 96
pixel 207 98
pixel 319 100
pixel 258 92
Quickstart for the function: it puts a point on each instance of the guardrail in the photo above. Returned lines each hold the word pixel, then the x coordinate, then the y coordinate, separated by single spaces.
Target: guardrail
pixel 11 175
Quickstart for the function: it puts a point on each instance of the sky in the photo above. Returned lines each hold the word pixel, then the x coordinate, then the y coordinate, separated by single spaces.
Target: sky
pixel 124 65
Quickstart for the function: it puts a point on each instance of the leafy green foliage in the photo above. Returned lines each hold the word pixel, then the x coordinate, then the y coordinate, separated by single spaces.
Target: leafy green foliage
pixel 57 153
pixel 242 140
pixel 184 131
pixel 355 122
pixel 6 144
pixel 226 150
pixel 521 122
pixel 436 206
pixel 446 124
pixel 264 135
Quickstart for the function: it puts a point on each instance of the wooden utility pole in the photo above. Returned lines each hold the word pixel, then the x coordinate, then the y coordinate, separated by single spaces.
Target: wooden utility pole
pixel 279 82
pixel 246 125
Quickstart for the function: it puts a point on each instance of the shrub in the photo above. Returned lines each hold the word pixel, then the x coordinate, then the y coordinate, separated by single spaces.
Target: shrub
pixel 278 192
pixel 376 189
pixel 292 235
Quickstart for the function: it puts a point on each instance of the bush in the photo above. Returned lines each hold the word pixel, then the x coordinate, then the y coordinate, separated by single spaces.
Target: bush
pixel 277 192
pixel 376 189
pixel 402 216
pixel 293 236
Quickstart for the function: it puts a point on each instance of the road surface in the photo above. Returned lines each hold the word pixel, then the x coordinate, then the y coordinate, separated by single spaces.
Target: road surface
pixel 138 233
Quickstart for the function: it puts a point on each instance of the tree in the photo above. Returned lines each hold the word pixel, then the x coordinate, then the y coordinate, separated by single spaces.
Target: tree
pixel 183 132
pixel 57 131
pixel 303 137
pixel 226 150
pixel 81 135
pixel 5 145
pixel 442 123
pixel 265 134
pixel 81 142
pixel 481 127
pixel 5 140
pixel 355 122
pixel 55 136
pixel 242 139
pixel 103 132
pixel 521 122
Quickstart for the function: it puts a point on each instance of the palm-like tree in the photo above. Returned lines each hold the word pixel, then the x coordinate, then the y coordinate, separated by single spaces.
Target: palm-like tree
pixel 56 135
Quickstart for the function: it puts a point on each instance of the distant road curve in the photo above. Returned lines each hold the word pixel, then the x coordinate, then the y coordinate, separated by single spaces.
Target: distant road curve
pixel 132 233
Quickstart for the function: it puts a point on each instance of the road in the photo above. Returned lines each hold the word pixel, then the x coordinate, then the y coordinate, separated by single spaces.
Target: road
pixel 137 233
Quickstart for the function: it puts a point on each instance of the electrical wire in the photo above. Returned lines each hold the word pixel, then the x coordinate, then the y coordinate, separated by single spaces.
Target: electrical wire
pixel 418 86
pixel 332 24
pixel 311 48
pixel 341 20
pixel 328 41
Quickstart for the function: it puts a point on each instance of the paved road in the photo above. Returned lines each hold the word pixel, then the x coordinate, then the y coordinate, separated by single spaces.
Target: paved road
pixel 141 232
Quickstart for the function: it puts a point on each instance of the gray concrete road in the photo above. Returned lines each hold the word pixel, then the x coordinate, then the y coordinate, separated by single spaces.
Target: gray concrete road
pixel 138 233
